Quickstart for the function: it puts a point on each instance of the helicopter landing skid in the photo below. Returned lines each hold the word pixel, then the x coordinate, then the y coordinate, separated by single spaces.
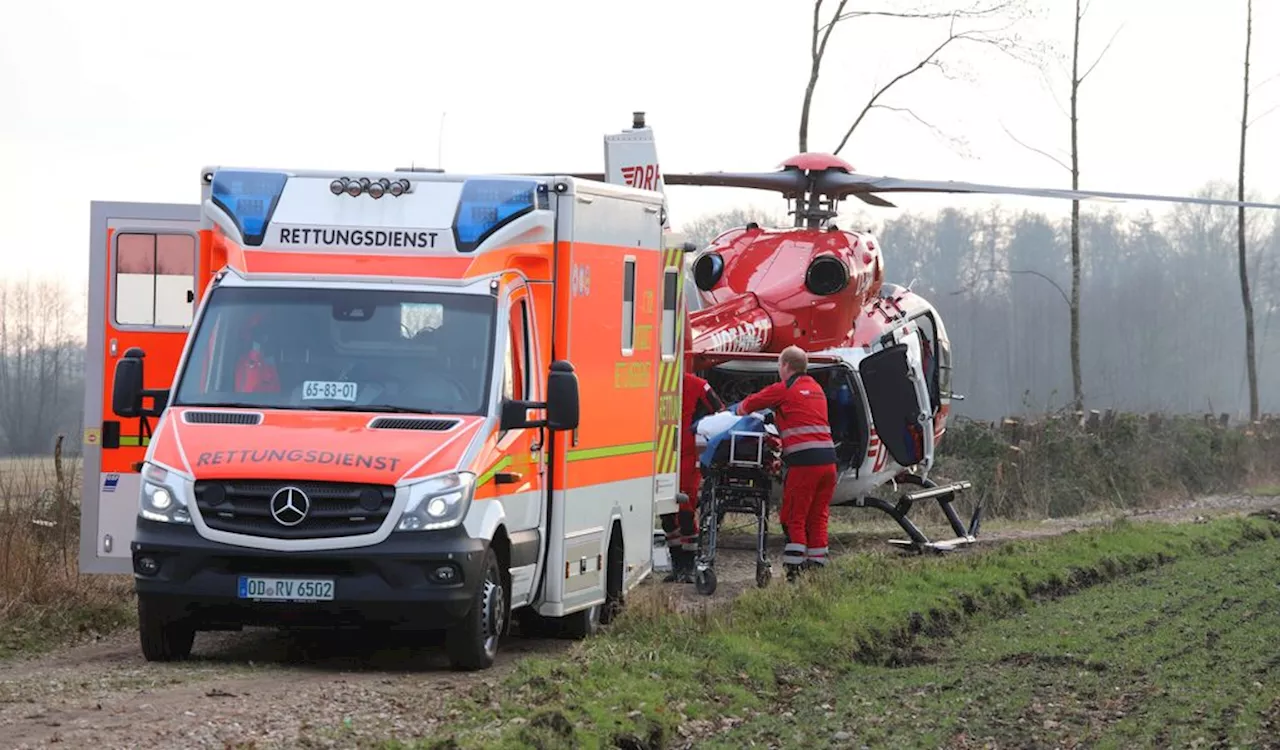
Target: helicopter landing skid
pixel 945 495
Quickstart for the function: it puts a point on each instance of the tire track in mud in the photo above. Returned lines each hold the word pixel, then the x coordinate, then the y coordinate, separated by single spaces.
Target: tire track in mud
pixel 261 688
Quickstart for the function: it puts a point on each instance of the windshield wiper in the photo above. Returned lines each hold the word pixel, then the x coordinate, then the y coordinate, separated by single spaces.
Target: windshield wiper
pixel 384 408
pixel 232 405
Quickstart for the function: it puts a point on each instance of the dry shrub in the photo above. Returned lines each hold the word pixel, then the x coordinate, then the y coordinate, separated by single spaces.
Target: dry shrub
pixel 43 597
pixel 1062 465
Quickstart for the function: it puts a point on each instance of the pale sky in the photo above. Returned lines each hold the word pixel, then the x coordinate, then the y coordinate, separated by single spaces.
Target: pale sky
pixel 127 100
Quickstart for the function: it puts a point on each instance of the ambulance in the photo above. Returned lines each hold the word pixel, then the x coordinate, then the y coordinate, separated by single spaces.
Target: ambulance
pixel 407 399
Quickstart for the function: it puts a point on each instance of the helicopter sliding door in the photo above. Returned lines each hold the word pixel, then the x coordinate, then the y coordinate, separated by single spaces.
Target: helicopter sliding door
pixel 898 398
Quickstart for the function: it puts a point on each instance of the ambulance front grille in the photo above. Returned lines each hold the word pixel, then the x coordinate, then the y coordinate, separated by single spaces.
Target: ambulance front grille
pixel 333 509
pixel 221 417
pixel 409 423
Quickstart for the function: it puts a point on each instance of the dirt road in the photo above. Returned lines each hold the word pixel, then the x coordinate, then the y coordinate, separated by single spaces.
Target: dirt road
pixel 263 689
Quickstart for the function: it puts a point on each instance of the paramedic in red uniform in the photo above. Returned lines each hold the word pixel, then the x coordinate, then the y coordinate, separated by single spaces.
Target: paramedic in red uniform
pixel 697 400
pixel 800 414
pixel 255 373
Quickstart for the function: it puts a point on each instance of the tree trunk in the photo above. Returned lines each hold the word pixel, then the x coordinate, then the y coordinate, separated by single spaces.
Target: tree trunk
pixel 1251 364
pixel 1076 379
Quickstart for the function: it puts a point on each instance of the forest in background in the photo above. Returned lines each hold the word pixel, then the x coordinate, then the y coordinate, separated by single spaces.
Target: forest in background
pixel 1162 325
pixel 1161 317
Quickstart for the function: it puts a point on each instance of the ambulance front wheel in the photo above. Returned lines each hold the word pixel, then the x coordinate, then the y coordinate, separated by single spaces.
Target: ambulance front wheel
pixel 163 638
pixel 472 643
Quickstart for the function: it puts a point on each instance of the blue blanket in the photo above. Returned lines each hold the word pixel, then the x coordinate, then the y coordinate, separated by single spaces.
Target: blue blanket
pixel 749 423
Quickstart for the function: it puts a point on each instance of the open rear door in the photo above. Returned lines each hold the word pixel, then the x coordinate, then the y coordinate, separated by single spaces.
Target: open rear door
pixel 144 261
pixel 898 397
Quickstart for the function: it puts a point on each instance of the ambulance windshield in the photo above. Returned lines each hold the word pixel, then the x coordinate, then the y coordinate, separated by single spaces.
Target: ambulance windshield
pixel 342 349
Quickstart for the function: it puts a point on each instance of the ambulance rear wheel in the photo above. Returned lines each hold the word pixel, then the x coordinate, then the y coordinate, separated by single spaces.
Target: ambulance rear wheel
pixel 162 637
pixel 705 581
pixel 473 643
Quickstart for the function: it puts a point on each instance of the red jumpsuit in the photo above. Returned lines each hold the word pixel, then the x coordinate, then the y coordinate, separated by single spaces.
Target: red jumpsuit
pixel 800 410
pixel 254 374
pixel 697 400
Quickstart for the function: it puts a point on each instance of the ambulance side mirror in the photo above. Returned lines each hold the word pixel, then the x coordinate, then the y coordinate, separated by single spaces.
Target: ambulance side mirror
pixel 562 396
pixel 127 391
pixel 561 403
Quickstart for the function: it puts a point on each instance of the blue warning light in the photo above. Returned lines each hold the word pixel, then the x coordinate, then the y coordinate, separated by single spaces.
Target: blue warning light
pixel 487 205
pixel 249 198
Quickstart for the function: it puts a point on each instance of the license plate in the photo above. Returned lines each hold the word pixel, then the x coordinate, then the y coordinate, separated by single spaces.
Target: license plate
pixel 329 390
pixel 285 589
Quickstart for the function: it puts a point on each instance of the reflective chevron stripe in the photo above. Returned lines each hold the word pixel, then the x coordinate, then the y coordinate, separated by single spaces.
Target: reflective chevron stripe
pixel 670 374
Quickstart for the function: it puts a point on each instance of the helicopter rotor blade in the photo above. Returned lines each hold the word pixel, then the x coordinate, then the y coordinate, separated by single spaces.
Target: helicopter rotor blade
pixel 874 200
pixel 841 184
pixel 786 181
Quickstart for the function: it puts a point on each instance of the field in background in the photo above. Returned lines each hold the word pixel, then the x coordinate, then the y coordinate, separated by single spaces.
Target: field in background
pixel 1137 634
pixel 1022 470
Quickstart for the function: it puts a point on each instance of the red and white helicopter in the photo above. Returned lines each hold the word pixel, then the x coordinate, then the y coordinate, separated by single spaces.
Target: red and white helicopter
pixel 880 350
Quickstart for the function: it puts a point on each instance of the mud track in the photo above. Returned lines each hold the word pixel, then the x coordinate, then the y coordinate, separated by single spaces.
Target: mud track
pixel 261 688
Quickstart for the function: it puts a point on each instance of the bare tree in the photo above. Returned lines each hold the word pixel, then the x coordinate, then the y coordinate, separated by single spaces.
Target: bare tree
pixel 975 10
pixel 702 230
pixel 1077 79
pixel 39 364
pixel 1250 357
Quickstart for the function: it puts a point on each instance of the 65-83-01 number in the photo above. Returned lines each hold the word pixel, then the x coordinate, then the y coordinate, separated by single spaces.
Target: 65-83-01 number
pixel 329 390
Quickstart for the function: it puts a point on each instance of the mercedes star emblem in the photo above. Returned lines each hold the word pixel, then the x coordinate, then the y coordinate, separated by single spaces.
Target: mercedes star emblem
pixel 289 506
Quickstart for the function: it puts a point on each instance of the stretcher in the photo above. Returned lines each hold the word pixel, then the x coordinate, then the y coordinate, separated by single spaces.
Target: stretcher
pixel 741 458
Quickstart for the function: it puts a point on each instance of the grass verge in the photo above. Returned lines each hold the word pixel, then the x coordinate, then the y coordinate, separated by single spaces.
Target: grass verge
pixel 44 601
pixel 1177 656
pixel 662 679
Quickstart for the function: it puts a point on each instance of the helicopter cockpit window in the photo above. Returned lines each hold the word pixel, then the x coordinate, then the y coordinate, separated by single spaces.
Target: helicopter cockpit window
pixel 931 359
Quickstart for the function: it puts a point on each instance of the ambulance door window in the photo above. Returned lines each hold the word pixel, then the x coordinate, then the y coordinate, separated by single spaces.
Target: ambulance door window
pixel 526 351
pixel 670 287
pixel 515 367
pixel 516 370
pixel 155 279
pixel 628 305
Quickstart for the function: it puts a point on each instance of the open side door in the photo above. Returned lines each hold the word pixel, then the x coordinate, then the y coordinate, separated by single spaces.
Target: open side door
pixel 897 395
pixel 144 261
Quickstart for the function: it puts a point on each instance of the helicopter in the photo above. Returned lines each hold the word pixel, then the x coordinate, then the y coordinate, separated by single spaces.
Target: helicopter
pixel 879 349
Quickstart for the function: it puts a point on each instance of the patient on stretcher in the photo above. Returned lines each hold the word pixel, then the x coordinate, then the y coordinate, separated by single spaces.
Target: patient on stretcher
pixel 713 434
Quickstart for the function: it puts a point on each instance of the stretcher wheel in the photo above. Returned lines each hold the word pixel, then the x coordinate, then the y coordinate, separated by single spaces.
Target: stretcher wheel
pixel 705 581
pixel 763 574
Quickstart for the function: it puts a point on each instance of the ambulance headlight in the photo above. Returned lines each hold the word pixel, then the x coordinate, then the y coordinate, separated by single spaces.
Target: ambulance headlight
pixel 338 186
pixel 438 503
pixel 164 496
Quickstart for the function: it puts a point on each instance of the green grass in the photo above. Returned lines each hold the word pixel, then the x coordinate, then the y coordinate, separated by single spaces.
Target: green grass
pixel 1179 656
pixel 730 675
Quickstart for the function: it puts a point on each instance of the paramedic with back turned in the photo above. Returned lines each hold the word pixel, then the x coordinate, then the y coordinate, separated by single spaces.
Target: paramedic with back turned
pixel 800 414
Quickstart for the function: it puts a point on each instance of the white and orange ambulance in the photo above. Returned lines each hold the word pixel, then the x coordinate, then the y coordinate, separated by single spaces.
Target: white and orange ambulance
pixel 409 399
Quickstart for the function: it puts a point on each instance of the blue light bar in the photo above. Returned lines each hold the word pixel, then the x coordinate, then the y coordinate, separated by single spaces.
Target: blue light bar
pixel 487 205
pixel 249 198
